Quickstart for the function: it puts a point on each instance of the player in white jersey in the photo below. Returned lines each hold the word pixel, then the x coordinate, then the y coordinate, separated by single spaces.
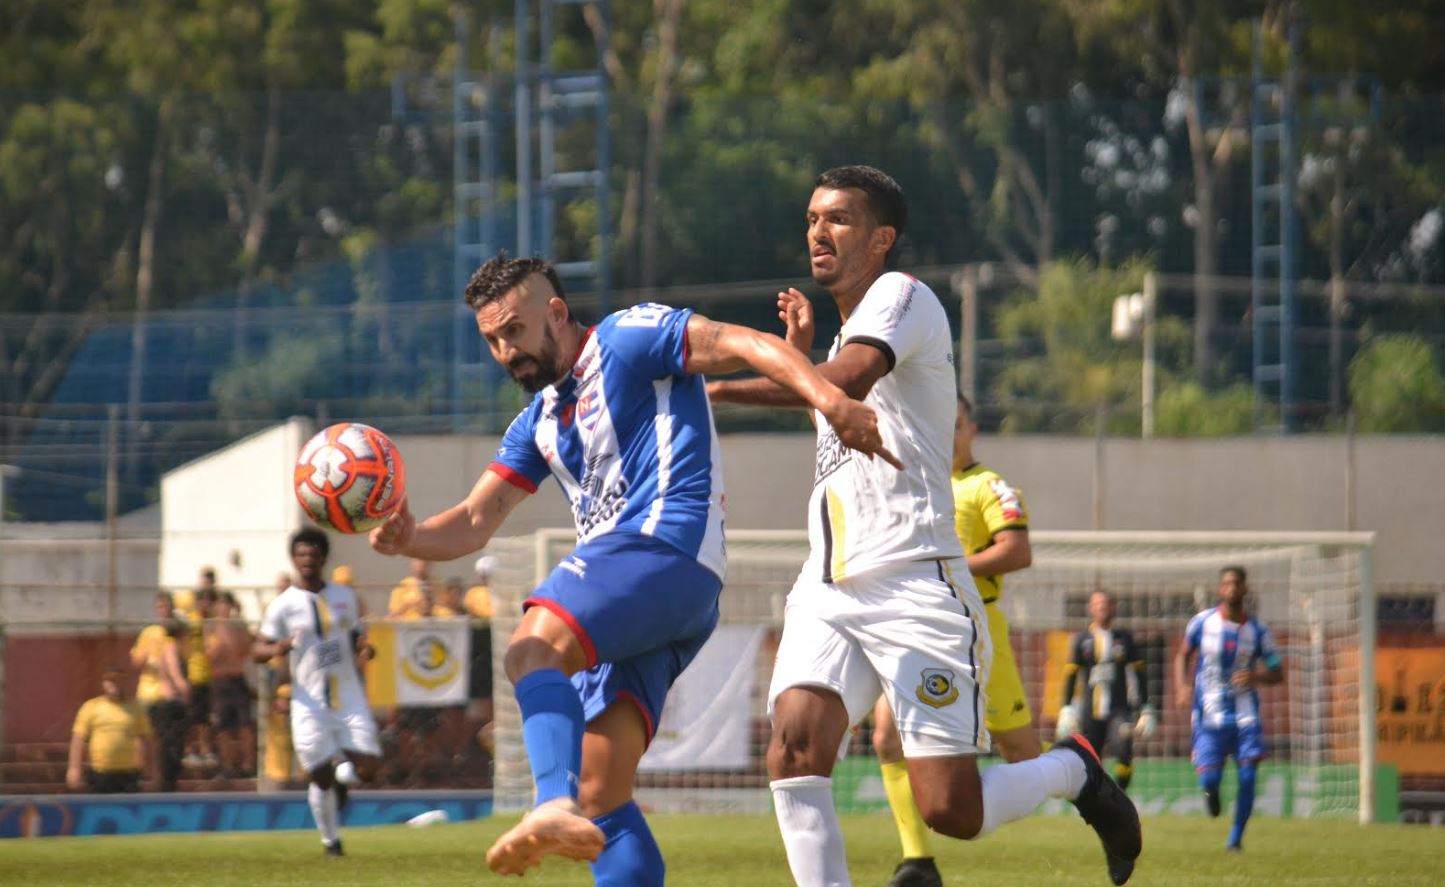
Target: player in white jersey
pixel 885 601
pixel 318 625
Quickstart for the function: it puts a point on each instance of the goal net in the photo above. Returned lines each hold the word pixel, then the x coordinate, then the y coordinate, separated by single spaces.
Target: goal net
pixel 1313 591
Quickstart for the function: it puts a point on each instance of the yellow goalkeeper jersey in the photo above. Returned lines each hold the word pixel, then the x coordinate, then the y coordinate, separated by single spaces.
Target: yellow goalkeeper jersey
pixel 984 505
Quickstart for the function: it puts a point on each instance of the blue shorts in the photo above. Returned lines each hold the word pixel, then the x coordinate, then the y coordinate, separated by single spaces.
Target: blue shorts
pixel 641 609
pixel 1211 745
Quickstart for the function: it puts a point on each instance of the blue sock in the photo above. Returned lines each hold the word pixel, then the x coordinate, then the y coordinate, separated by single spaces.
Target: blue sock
pixel 1209 779
pixel 630 858
pixel 1243 805
pixel 552 726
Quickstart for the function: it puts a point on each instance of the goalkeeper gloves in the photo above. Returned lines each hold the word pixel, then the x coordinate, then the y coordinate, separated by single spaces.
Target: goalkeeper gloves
pixel 1068 722
pixel 1146 723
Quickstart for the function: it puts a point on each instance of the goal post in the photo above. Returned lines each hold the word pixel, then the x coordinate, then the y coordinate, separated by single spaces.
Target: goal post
pixel 1313 590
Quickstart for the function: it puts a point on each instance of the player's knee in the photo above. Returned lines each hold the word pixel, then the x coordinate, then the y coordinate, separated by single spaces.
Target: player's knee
pixel 961 821
pixel 793 751
pixel 527 655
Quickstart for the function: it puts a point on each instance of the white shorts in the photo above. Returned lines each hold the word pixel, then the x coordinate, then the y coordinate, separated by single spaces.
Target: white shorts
pixel 319 735
pixel 907 631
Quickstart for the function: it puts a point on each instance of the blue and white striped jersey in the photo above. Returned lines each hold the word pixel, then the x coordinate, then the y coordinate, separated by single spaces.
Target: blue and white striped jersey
pixel 1225 647
pixel 629 436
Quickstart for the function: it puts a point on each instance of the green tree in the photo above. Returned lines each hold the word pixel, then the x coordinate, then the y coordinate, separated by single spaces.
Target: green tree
pixel 1186 409
pixel 1396 386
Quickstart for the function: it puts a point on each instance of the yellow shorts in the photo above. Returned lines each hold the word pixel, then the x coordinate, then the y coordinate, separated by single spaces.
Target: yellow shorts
pixel 1008 707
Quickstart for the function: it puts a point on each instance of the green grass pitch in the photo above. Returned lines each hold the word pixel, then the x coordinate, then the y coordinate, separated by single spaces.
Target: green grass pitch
pixel 744 851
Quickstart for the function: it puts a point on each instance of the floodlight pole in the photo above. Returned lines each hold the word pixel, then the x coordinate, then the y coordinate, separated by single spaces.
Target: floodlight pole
pixel 1151 292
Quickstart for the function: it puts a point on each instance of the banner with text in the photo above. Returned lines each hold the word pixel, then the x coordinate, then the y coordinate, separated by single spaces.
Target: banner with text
pixel 707 720
pixel 418 664
pixel 1410 715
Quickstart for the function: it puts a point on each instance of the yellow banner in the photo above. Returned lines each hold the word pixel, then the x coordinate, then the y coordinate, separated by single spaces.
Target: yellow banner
pixel 1410 708
pixel 418 663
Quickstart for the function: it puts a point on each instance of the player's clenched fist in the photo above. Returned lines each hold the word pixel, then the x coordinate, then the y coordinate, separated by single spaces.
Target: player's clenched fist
pixel 857 427
pixel 396 534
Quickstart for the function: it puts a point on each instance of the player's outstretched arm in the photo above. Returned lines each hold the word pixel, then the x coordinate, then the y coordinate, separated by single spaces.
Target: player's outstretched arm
pixel 460 530
pixel 715 347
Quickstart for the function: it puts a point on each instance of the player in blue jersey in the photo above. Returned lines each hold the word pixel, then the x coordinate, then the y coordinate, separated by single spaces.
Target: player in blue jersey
pixel 621 419
pixel 1236 654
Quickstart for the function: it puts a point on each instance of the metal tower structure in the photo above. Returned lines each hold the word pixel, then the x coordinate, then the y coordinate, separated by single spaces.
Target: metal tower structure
pixel 1281 111
pixel 542 107
pixel 551 105
pixel 1274 247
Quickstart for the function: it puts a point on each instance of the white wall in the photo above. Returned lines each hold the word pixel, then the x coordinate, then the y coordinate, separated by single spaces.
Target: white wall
pixel 232 510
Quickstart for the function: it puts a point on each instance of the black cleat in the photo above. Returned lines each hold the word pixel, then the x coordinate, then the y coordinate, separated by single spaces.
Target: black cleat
pixel 333 848
pixel 918 871
pixel 1107 810
pixel 1211 802
pixel 343 794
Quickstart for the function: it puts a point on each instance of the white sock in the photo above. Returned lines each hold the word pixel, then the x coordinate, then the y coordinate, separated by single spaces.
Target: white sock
pixel 811 833
pixel 323 807
pixel 346 773
pixel 1012 791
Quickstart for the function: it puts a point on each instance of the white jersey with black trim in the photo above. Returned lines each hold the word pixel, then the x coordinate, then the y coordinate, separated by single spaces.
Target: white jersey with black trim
pixel 863 513
pixel 323 662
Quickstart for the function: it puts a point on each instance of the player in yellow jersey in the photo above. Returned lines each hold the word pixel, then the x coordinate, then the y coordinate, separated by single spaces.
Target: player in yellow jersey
pixel 993 525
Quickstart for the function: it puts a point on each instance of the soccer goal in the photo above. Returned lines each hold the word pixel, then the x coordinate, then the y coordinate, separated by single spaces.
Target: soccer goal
pixel 1313 590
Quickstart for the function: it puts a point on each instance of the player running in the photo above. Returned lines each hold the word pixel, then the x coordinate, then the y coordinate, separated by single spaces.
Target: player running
pixel 885 602
pixel 993 525
pixel 1109 706
pixel 1236 655
pixel 332 729
pixel 621 420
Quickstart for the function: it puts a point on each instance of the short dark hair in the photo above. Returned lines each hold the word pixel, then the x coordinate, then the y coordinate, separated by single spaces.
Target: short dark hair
pixel 310 536
pixel 885 199
pixel 1237 570
pixel 501 274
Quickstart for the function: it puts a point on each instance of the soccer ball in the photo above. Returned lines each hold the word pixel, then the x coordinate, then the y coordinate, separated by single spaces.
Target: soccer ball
pixel 350 477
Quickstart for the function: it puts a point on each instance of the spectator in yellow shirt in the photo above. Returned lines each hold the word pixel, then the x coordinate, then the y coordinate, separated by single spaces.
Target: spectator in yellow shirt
pixel 201 737
pixel 117 732
pixel 163 688
pixel 478 601
pixel 408 597
pixel 448 604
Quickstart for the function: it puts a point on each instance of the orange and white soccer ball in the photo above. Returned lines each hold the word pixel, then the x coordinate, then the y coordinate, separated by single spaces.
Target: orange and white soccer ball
pixel 350 477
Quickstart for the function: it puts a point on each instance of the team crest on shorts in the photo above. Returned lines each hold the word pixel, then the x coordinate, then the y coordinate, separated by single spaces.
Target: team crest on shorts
pixel 937 688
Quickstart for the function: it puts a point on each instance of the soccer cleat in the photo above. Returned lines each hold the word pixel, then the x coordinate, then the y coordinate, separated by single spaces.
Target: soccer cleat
pixel 555 828
pixel 333 848
pixel 343 795
pixel 1107 810
pixel 1211 802
pixel 919 871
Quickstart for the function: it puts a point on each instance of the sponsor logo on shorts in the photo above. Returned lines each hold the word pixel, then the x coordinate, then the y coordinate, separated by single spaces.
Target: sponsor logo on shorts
pixel 937 688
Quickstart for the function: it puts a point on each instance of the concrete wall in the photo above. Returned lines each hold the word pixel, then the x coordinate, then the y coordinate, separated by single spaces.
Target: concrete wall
pixel 1394 486
pixel 232 510
pixel 235 508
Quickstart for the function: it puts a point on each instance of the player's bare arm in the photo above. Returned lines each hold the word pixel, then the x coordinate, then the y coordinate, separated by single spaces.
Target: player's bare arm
pixel 715 347
pixel 1183 687
pixel 855 369
pixel 462 529
pixel 1259 677
pixel 264 651
pixel 1009 552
